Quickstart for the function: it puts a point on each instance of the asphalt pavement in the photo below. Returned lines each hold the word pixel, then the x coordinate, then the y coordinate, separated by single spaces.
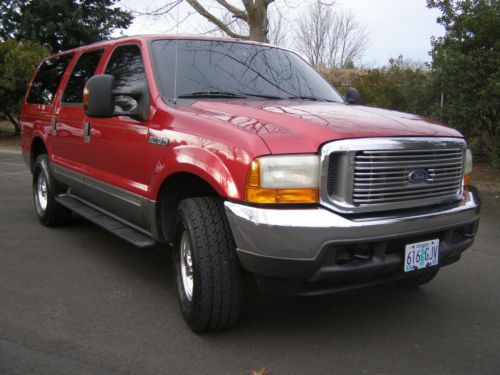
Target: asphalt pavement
pixel 76 300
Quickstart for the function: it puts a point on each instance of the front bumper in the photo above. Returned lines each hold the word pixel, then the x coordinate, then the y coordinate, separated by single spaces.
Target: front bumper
pixel 317 247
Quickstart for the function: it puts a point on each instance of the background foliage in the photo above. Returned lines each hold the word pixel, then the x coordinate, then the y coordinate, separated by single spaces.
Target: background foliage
pixel 465 66
pixel 401 85
pixel 460 87
pixel 61 24
pixel 18 60
pixel 32 29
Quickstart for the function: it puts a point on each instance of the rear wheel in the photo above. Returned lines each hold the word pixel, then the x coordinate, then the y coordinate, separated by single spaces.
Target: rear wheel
pixel 45 189
pixel 208 273
pixel 417 280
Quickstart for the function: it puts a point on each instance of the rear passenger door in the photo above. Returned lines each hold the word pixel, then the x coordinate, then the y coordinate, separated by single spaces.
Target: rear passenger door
pixel 115 150
pixel 39 109
pixel 70 116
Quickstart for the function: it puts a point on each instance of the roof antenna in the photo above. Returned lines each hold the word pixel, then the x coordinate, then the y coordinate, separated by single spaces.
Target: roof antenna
pixel 176 54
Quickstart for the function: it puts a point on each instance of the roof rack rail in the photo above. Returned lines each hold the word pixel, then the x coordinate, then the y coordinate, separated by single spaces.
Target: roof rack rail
pixel 108 40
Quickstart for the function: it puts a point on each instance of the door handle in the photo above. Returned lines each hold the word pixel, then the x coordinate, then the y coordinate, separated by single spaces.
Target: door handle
pixel 54 126
pixel 86 132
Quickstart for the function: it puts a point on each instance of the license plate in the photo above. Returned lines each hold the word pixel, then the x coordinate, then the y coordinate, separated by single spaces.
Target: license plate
pixel 421 255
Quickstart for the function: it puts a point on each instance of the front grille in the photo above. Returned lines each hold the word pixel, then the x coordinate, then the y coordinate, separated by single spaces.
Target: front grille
pixel 382 176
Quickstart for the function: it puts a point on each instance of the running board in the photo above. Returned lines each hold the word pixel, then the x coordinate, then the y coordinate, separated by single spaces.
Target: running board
pixel 106 221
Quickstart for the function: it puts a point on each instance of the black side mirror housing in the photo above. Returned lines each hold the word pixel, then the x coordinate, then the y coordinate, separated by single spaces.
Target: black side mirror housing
pixel 353 96
pixel 99 98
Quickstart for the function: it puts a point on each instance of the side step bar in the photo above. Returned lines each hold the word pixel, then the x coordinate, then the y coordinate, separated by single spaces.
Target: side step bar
pixel 106 221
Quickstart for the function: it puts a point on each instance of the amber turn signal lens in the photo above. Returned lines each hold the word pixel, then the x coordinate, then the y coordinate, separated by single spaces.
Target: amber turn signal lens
pixel 259 195
pixel 253 179
pixel 467 179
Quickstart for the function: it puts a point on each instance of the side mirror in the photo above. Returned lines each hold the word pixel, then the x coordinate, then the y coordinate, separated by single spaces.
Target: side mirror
pixel 100 100
pixel 353 96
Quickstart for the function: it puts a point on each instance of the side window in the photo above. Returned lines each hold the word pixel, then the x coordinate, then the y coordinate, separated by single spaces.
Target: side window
pixel 44 86
pixel 83 70
pixel 127 67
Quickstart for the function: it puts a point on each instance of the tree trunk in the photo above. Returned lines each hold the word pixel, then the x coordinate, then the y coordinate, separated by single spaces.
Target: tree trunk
pixel 15 122
pixel 258 21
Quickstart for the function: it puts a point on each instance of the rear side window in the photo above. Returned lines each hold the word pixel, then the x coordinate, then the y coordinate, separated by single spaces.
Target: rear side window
pixel 126 66
pixel 44 86
pixel 83 70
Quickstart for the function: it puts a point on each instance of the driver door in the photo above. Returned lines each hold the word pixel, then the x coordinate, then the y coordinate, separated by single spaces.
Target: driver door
pixel 115 147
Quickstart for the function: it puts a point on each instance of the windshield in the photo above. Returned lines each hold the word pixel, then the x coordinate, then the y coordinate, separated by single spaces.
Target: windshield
pixel 208 68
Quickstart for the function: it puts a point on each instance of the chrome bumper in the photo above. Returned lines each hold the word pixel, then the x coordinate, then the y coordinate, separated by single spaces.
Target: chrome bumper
pixel 301 234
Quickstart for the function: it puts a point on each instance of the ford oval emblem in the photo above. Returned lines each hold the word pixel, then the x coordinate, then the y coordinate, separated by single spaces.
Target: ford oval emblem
pixel 418 176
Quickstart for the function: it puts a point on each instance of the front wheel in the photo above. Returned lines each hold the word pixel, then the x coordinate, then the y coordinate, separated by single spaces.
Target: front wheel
pixel 208 273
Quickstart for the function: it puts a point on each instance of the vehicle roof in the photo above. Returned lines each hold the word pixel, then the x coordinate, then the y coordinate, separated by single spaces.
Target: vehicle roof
pixel 150 37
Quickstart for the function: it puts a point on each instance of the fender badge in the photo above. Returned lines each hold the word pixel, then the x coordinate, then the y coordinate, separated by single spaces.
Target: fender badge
pixel 158 141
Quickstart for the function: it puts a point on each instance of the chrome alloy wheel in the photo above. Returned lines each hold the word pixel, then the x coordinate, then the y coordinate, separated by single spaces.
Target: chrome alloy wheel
pixel 186 265
pixel 42 192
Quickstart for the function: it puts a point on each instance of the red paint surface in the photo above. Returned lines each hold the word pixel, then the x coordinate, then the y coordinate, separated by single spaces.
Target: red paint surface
pixel 215 140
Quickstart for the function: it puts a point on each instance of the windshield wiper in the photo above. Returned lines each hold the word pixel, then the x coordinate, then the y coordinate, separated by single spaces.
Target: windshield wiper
pixel 227 94
pixel 309 98
pixel 211 94
pixel 264 96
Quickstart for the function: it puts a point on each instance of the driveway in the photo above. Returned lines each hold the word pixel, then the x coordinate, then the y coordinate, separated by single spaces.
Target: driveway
pixel 76 300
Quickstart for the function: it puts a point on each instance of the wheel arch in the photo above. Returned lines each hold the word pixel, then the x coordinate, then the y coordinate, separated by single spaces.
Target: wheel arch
pixel 37 148
pixel 174 188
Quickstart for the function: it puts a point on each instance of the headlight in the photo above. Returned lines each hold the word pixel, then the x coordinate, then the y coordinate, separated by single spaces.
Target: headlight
pixel 467 167
pixel 284 179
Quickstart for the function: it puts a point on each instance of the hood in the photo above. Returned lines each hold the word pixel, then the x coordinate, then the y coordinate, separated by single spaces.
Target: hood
pixel 303 126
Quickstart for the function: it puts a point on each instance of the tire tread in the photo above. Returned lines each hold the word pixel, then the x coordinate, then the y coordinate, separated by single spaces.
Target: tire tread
pixel 218 294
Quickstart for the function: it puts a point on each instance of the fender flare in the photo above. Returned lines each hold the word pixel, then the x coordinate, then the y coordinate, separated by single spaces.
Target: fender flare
pixel 199 162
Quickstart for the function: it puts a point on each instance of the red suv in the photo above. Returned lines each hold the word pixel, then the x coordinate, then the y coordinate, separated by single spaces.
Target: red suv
pixel 241 157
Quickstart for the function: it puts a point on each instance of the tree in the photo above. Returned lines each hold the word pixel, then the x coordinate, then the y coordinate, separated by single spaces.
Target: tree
pixel 465 65
pixel 331 37
pixel 18 61
pixel 61 24
pixel 278 27
pixel 312 33
pixel 249 20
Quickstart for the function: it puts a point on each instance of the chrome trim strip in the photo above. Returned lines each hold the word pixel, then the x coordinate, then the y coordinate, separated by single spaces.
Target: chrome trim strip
pixel 115 191
pixel 347 149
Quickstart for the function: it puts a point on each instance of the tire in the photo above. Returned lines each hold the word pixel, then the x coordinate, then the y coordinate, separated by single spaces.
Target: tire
pixel 45 189
pixel 417 280
pixel 205 250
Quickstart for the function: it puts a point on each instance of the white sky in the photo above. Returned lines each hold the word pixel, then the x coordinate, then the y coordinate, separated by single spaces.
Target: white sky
pixel 396 26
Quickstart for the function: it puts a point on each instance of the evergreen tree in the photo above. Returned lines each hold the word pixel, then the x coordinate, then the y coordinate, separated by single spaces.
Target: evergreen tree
pixel 61 24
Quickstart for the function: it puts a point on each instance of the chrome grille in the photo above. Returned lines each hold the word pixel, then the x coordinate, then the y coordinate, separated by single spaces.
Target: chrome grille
pixel 381 176
pixel 373 174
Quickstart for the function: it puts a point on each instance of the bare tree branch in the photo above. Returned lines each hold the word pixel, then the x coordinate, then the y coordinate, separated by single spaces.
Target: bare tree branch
pixel 312 32
pixel 234 10
pixel 331 37
pixel 216 21
pixel 161 11
pixel 278 28
pixel 253 20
